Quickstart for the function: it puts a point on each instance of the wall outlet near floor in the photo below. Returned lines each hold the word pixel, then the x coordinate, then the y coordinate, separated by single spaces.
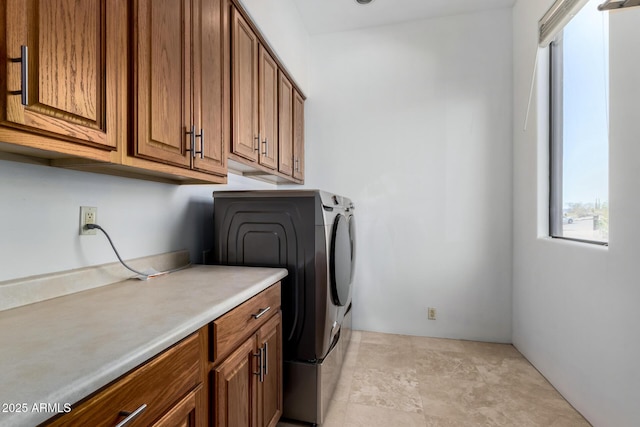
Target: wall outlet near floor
pixel 88 215
pixel 431 313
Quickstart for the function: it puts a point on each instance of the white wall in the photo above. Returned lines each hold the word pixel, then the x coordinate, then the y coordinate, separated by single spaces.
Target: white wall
pixel 413 122
pixel 575 314
pixel 39 214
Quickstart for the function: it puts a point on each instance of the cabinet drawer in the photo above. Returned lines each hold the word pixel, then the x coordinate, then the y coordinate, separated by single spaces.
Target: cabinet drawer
pixel 159 384
pixel 230 329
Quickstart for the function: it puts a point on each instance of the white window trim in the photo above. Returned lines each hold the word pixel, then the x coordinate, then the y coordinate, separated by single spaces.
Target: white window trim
pixel 556 18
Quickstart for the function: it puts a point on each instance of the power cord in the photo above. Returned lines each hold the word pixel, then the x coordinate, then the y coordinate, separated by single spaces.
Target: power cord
pixel 141 275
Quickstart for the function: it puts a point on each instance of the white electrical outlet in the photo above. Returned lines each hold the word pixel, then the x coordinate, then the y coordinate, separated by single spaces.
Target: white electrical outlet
pixel 431 313
pixel 88 215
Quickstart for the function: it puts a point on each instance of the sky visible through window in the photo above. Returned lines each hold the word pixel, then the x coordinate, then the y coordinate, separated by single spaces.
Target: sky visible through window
pixel 585 112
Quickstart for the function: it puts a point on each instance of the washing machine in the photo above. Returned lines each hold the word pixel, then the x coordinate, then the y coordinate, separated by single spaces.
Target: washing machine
pixel 312 234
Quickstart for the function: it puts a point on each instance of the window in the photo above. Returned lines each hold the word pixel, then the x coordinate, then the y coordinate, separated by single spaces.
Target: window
pixel 579 131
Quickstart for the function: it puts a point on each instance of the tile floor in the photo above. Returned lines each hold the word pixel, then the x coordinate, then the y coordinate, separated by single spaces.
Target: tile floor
pixel 396 380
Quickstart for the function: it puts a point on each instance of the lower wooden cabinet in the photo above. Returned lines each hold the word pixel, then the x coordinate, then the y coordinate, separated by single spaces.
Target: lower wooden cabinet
pixel 240 352
pixel 184 413
pixel 269 404
pixel 234 388
pixel 160 391
pixel 247 384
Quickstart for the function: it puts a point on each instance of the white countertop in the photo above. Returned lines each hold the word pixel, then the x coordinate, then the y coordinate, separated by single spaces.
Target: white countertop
pixel 61 350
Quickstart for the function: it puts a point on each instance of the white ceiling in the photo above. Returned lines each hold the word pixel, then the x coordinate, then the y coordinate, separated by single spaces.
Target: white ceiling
pixel 328 16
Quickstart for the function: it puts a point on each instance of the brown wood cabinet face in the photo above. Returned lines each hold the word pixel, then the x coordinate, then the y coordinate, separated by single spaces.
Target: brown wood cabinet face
pixel 163 80
pixel 298 135
pixel 233 327
pixel 211 84
pixel 285 125
pixel 247 362
pixel 160 384
pixel 270 390
pixel 72 69
pixel 268 109
pixel 184 413
pixel 234 388
pixel 244 83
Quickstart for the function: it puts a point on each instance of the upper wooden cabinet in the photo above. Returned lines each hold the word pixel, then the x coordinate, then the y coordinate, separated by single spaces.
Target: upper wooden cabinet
pixel 211 84
pixel 268 109
pixel 255 96
pixel 298 135
pixel 244 55
pixel 180 87
pixel 262 107
pixel 168 90
pixel 291 128
pixel 61 70
pixel 285 124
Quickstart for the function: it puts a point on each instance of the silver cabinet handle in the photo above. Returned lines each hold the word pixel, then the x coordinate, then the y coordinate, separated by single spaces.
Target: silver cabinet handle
pixel 131 415
pixel 260 372
pixel 261 313
pixel 201 152
pixel 265 362
pixel 192 148
pixel 297 163
pixel 256 147
pixel 24 75
pixel 266 147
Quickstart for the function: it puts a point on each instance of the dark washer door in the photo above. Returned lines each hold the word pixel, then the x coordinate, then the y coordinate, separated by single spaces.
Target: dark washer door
pixel 340 261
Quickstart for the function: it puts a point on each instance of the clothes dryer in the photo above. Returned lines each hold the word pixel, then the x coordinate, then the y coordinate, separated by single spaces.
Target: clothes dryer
pixel 312 234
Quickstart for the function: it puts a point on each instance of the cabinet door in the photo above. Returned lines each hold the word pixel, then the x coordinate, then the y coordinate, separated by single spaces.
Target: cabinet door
pixel 162 80
pixel 244 83
pixel 211 84
pixel 298 135
pixel 268 87
pixel 270 389
pixel 234 386
pixel 158 384
pixel 72 69
pixel 285 125
pixel 185 413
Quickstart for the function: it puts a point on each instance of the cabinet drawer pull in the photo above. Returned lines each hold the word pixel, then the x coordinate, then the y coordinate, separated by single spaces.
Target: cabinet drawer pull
pixel 192 148
pixel 265 362
pixel 131 415
pixel 296 165
pixel 201 152
pixel 24 75
pixel 256 146
pixel 266 147
pixel 260 356
pixel 261 313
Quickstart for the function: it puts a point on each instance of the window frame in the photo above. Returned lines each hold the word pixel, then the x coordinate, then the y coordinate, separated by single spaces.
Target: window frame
pixel 556 131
